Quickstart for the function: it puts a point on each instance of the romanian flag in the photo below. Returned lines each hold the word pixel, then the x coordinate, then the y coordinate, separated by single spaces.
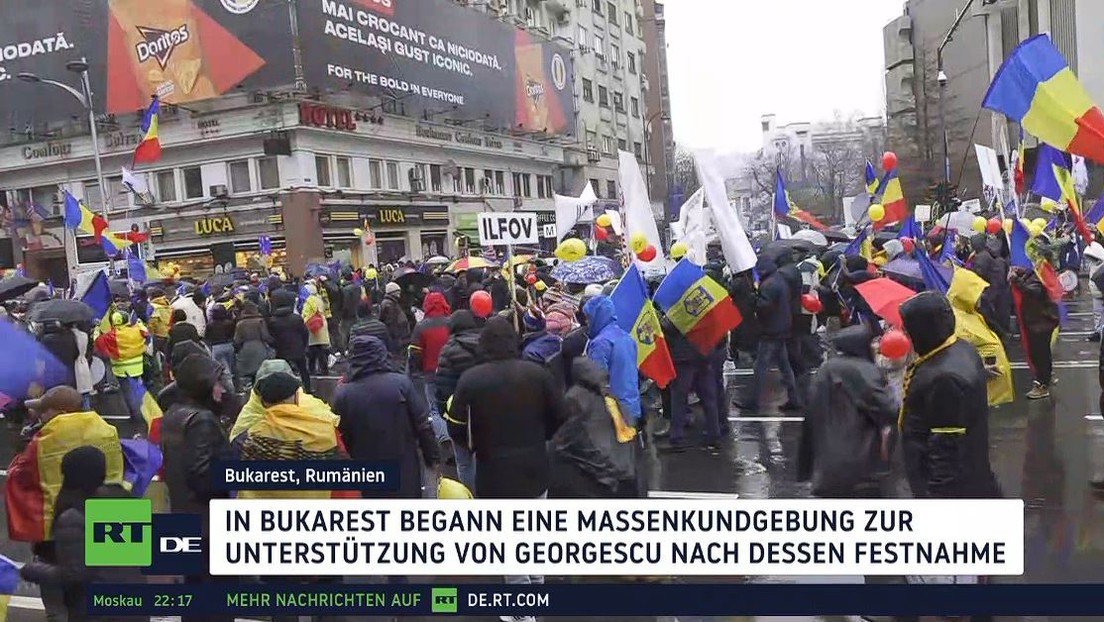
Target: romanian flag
pixel 149 148
pixel 871 179
pixel 892 198
pixel 150 410
pixel 697 305
pixel 114 243
pixel 638 317
pixel 77 216
pixel 34 475
pixel 855 247
pixel 1095 216
pixel 1018 166
pixel 783 206
pixel 27 369
pixel 1036 88
pixel 1049 161
pixel 9 580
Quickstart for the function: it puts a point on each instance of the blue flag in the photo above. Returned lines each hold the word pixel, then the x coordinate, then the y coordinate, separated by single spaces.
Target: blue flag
pixel 910 229
pixel 265 244
pixel 136 268
pixel 98 296
pixel 1017 245
pixel 27 368
pixel 946 252
pixel 1045 184
pixel 1093 216
pixel 933 278
pixel 855 247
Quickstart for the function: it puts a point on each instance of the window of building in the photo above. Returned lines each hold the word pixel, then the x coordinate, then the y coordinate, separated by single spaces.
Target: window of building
pixel 611 13
pixel 268 173
pixel 375 174
pixel 540 187
pixel 418 176
pixel 500 183
pixel 619 101
pixel 607 145
pixel 193 182
pixel 435 177
pixel 45 201
pixel 631 59
pixel 615 54
pixel 469 180
pixel 548 190
pixel 597 6
pixel 637 150
pixel 595 188
pixel 628 22
pixel 603 97
pixel 588 91
pixel 164 184
pixel 344 172
pixel 634 106
pixel 522 185
pixel 392 176
pixel 322 168
pixel 599 45
pixel 622 145
pixel 582 37
pixel 611 189
pixel 591 138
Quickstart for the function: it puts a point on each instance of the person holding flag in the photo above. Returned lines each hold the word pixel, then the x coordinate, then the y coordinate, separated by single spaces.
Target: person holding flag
pixel 124 343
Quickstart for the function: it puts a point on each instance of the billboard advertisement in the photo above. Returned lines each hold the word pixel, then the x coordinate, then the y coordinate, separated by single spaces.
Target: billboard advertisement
pixel 182 50
pixel 438 56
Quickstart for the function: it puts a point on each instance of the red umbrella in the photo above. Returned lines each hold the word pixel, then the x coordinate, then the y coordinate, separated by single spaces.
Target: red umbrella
pixel 885 297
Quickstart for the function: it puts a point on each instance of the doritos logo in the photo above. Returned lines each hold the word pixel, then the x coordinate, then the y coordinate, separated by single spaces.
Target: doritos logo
pixel 386 7
pixel 159 44
pixel 697 301
pixel 534 89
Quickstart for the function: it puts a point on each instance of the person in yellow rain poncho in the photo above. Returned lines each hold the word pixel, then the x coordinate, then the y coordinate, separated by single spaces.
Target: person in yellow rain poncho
pixel 124 342
pixel 964 294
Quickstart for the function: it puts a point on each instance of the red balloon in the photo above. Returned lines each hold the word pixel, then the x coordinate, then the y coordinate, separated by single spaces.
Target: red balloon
pixel 909 244
pixel 889 161
pixel 530 278
pixel 648 253
pixel 601 234
pixel 481 304
pixel 993 226
pixel 895 344
pixel 811 303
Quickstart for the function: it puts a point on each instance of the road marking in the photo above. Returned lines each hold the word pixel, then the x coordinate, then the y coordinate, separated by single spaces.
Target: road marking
pixel 768 419
pixel 679 494
pixel 26 602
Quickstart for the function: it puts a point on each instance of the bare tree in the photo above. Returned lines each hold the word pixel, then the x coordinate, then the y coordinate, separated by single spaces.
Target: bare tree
pixel 686 172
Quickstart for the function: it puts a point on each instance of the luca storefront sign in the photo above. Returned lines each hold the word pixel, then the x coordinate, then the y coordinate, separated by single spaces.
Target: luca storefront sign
pixel 213 225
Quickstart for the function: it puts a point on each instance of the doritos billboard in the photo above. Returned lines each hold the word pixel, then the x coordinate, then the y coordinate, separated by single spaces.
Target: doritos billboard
pixel 182 50
pixel 439 56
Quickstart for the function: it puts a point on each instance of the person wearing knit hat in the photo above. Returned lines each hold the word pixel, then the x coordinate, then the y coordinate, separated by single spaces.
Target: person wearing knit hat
pixel 277 388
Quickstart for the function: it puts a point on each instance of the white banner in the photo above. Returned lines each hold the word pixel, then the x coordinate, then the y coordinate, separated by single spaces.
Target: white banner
pixel 570 211
pixel 712 172
pixel 638 210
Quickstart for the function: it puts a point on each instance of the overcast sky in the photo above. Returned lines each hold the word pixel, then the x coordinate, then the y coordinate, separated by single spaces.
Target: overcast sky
pixel 731 61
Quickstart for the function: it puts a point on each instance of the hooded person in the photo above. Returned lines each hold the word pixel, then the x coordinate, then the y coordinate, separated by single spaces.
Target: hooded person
pixel 774 308
pixel 426 342
pixel 459 354
pixel 287 429
pixel 989 264
pixel 368 325
pixel 226 409
pixel 84 471
pixel 289 334
pixel 318 339
pixel 384 417
pixel 253 343
pixel 125 344
pixel 393 315
pixel 851 413
pixel 254 408
pixel 542 346
pixel 614 351
pixel 593 454
pixel 944 419
pixel 181 330
pixel 1039 319
pixel 966 294
pixel 559 318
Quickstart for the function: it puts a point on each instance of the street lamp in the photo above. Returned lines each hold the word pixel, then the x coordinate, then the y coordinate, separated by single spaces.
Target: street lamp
pixel 84 97
pixel 942 80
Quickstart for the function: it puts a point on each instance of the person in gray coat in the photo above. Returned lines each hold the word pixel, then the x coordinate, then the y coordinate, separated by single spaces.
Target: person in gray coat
pixel 253 342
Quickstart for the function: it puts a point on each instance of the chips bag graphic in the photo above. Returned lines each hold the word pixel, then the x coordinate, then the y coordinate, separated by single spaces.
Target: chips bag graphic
pixel 538 100
pixel 170 48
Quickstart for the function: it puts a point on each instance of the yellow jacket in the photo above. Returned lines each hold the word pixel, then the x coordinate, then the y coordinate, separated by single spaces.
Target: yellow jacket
pixel 965 291
pixel 160 317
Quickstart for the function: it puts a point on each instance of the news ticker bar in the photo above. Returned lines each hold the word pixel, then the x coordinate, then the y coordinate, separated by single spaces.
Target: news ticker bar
pixel 595 599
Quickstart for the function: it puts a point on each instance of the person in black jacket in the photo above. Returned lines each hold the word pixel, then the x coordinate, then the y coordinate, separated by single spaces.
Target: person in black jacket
pixel 180 330
pixel 60 341
pixel 459 354
pixel 384 417
pixel 83 472
pixel 368 325
pixel 850 415
pixel 290 337
pixel 692 373
pixel 1038 317
pixel 220 338
pixel 989 264
pixel 352 293
pixel 945 419
pixel 394 315
pixel 773 308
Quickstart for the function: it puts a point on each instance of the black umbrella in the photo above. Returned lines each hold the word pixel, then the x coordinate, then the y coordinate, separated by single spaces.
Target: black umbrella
pixel 61 310
pixel 15 286
pixel 120 288
pixel 788 251
pixel 409 278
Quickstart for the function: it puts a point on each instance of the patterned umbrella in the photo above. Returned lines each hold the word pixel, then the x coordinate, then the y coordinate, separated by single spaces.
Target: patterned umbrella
pixel 470 263
pixel 589 269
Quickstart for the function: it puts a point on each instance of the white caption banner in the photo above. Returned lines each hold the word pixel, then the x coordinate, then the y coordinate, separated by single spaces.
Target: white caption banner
pixel 626 537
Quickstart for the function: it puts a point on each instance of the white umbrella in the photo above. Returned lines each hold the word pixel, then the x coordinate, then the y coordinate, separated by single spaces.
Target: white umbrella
pixel 438 260
pixel 814 237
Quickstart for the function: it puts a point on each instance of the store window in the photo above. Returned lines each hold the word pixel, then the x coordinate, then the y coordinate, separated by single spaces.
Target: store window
pixel 390 248
pixel 46 200
pixel 344 172
pixel 434 243
pixel 375 173
pixel 392 176
pixel 611 189
pixel 268 170
pixel 435 177
pixel 193 182
pixel 322 168
pixel 164 184
pixel 240 182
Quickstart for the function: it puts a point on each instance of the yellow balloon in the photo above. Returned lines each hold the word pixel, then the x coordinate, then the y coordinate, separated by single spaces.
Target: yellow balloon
pixel 540 286
pixel 876 212
pixel 978 224
pixel 358 232
pixel 1007 224
pixel 603 220
pixel 679 250
pixel 637 242
pixel 1040 224
pixel 1036 229
pixel 371 273
pixel 572 249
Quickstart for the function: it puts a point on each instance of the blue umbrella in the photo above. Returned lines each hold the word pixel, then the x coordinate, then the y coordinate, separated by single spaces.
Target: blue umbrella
pixel 589 269
pixel 909 268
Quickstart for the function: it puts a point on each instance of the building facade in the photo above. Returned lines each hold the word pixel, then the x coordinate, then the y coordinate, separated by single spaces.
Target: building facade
pixel 661 138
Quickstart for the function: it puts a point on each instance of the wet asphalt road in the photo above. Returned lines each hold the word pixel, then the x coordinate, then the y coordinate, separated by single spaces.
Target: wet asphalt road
pixel 1044 451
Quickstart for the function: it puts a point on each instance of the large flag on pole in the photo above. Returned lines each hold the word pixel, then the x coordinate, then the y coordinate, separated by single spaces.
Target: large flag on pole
pixel 77 216
pixel 149 148
pixel 639 318
pixel 871 179
pixel 784 206
pixel 697 305
pixel 639 217
pixel 1036 88
pixel 892 198
pixel 712 171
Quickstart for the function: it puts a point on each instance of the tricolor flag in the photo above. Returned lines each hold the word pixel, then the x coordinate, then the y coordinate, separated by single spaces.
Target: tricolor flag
pixel 697 305
pixel 783 206
pixel 871 179
pixel 1095 216
pixel 1018 166
pixel 1045 182
pixel 1017 245
pixel 77 216
pixel 1036 88
pixel 638 317
pixel 892 198
pixel 114 243
pixel 150 410
pixel 98 295
pixel 855 247
pixel 149 148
